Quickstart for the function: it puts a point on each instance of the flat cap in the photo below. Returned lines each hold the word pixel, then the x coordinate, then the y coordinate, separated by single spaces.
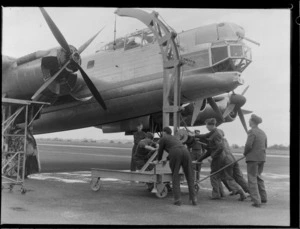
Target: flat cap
pixel 256 119
pixel 211 121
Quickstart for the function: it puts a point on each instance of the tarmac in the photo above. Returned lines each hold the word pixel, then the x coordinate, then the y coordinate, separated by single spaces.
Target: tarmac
pixel 65 197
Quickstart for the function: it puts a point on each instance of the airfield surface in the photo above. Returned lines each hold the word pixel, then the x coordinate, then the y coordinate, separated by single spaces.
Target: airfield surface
pixel 61 194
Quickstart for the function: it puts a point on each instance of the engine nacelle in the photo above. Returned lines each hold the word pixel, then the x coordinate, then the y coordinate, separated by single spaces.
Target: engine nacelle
pixel 29 72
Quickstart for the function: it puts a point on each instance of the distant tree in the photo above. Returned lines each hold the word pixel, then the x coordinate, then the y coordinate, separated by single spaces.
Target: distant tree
pixel 279 147
pixel 235 146
pixel 111 141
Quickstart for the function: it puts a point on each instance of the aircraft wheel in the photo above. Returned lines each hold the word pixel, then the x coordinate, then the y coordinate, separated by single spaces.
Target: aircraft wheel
pixel 95 184
pixel 11 187
pixel 162 191
pixel 197 188
pixel 23 190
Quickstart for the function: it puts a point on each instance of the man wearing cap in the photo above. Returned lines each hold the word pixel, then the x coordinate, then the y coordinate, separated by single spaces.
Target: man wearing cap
pixel 179 156
pixel 255 152
pixel 216 149
pixel 144 151
pixel 137 136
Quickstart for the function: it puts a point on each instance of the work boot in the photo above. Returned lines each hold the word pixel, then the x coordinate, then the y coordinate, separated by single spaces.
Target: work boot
pixel 194 201
pixel 256 205
pixel 242 195
pixel 177 202
pixel 232 194
pixel 264 201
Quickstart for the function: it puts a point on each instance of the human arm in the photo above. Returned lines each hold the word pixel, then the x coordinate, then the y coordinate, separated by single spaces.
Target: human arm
pixel 161 148
pixel 249 142
pixel 204 156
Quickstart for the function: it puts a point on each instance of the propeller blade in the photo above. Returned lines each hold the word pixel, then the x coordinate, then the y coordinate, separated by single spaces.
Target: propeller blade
pixel 48 82
pixel 228 110
pixel 196 111
pixel 245 90
pixel 86 44
pixel 55 31
pixel 245 112
pixel 242 118
pixel 92 87
pixel 215 107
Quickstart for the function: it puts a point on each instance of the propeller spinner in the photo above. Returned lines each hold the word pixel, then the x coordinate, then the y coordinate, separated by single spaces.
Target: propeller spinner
pixel 236 102
pixel 71 61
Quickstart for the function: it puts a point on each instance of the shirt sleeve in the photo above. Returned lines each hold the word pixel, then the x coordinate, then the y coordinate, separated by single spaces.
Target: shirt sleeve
pixel 249 142
pixel 142 144
pixel 161 149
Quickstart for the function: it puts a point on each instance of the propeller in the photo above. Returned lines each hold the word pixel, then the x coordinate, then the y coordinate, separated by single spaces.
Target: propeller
pixel 215 107
pixel 196 111
pixel 73 58
pixel 236 102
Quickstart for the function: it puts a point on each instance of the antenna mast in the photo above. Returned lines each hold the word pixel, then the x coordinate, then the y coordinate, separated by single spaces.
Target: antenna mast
pixel 115 33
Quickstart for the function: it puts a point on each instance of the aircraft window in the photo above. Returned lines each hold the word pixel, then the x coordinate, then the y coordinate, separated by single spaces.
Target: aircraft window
pixel 247 52
pixel 225 66
pixel 148 39
pixel 90 64
pixel 133 42
pixel 236 51
pixel 238 64
pixel 119 44
pixel 219 53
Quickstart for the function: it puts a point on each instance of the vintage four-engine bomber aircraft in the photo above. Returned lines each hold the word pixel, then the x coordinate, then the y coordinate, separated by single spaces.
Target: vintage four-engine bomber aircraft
pixel 121 84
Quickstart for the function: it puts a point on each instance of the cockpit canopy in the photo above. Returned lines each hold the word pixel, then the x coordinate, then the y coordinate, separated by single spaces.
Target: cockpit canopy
pixel 137 39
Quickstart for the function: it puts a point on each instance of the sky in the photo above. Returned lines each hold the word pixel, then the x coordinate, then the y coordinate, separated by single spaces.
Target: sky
pixel 25 31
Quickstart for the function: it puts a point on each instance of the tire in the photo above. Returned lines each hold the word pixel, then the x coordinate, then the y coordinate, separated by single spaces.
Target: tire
pixel 23 190
pixel 162 191
pixel 95 184
pixel 197 188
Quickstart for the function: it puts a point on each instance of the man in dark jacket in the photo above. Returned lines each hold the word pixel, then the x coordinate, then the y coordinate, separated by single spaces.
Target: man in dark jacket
pixel 216 149
pixel 255 152
pixel 137 136
pixel 179 156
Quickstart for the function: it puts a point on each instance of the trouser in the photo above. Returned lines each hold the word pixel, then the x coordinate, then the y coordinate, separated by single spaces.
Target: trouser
pixel 238 177
pixel 132 163
pixel 180 156
pixel 255 182
pixel 226 174
pixel 195 155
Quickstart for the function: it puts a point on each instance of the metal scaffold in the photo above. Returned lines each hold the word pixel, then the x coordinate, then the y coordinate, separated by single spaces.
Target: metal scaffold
pixel 17 118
